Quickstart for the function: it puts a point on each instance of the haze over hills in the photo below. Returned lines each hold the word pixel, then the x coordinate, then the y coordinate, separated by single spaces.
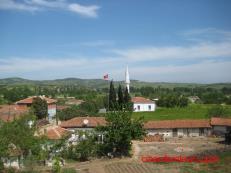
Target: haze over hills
pixel 100 83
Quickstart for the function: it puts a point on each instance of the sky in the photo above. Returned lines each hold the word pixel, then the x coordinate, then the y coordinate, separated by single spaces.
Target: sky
pixel 159 40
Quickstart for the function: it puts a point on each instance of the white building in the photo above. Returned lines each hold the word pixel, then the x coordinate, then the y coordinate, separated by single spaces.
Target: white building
pixel 141 104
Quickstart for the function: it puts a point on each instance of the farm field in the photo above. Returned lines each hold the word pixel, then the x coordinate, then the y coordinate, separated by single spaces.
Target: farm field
pixel 193 111
pixel 134 164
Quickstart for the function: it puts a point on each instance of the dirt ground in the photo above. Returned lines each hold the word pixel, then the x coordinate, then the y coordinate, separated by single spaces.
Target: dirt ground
pixel 180 146
pixel 172 147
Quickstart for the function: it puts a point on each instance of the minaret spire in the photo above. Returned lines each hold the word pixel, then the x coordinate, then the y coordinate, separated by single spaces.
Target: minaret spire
pixel 127 79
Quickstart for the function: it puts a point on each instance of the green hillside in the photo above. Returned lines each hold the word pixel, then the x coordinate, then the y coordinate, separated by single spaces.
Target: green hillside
pixel 99 83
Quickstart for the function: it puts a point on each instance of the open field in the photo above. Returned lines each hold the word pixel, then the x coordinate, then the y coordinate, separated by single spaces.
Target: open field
pixel 193 111
pixel 191 146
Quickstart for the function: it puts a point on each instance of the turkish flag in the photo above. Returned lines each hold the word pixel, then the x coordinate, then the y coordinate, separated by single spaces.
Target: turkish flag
pixel 105 77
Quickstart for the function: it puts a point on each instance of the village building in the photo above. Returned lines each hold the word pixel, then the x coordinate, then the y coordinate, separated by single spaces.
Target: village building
pixel 73 101
pixel 78 126
pixel 141 104
pixel 179 128
pixel 193 99
pixel 11 112
pixel 26 103
pixel 220 126
pixel 83 123
pixel 52 132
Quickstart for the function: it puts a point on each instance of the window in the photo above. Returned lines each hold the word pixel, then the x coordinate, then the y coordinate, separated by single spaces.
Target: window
pixel 138 107
pixel 149 107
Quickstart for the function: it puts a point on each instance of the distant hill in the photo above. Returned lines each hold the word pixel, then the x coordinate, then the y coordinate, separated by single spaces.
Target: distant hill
pixel 99 83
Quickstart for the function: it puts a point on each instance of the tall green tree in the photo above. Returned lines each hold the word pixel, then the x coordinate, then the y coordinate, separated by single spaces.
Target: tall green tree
pixel 120 97
pixel 40 107
pixel 127 100
pixel 119 132
pixel 112 97
pixel 127 97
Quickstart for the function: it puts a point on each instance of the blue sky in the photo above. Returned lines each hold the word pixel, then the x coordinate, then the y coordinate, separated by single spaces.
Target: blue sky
pixel 160 40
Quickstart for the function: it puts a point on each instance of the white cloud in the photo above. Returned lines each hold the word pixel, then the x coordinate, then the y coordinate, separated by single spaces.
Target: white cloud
pixel 13 5
pixel 207 35
pixel 98 43
pixel 45 3
pixel 90 11
pixel 204 72
pixel 201 50
pixel 28 64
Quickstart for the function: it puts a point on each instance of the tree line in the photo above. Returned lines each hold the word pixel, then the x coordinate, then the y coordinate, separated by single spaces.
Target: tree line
pixel 119 101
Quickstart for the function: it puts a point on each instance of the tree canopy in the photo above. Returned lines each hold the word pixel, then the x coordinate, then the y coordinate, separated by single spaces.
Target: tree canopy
pixel 112 97
pixel 40 107
pixel 119 132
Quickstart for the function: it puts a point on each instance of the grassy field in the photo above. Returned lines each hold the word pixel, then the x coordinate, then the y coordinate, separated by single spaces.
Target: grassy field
pixel 193 111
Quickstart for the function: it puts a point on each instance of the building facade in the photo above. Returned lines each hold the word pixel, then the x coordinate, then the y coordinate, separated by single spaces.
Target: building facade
pixel 141 104
pixel 26 103
pixel 179 128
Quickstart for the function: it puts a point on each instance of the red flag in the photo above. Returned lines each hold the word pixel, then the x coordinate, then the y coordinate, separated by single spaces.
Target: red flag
pixel 105 77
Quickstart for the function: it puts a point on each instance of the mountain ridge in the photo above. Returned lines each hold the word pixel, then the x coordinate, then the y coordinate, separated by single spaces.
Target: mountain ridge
pixel 100 83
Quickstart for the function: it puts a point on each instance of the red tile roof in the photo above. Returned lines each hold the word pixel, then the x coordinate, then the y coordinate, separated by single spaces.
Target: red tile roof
pixel 220 121
pixel 29 100
pixel 56 133
pixel 141 100
pixel 176 124
pixel 10 112
pixel 83 122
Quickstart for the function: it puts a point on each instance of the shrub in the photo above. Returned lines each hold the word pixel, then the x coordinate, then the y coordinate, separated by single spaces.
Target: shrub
pixel 69 170
pixel 217 111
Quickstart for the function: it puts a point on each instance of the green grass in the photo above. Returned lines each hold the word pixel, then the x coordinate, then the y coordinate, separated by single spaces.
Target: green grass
pixel 193 111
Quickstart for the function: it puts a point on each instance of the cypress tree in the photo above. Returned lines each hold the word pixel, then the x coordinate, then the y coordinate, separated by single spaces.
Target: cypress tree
pixel 127 97
pixel 127 100
pixel 120 97
pixel 112 97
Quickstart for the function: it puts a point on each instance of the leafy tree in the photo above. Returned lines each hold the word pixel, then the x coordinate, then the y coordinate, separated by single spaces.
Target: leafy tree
pixel 20 135
pixel 112 97
pixel 40 107
pixel 217 111
pixel 56 167
pixel 183 101
pixel 84 149
pixel 119 132
pixel 89 106
pixel 171 100
pixel 120 97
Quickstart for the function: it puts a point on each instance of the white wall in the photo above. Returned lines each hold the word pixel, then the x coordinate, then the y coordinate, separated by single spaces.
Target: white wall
pixel 51 113
pixel 144 107
pixel 165 132
pixel 180 132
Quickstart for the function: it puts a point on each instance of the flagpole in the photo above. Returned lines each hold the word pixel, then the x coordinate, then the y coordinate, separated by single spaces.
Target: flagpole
pixel 108 94
pixel 106 77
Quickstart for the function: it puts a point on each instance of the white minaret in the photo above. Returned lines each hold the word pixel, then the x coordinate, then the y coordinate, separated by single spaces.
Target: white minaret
pixel 127 80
